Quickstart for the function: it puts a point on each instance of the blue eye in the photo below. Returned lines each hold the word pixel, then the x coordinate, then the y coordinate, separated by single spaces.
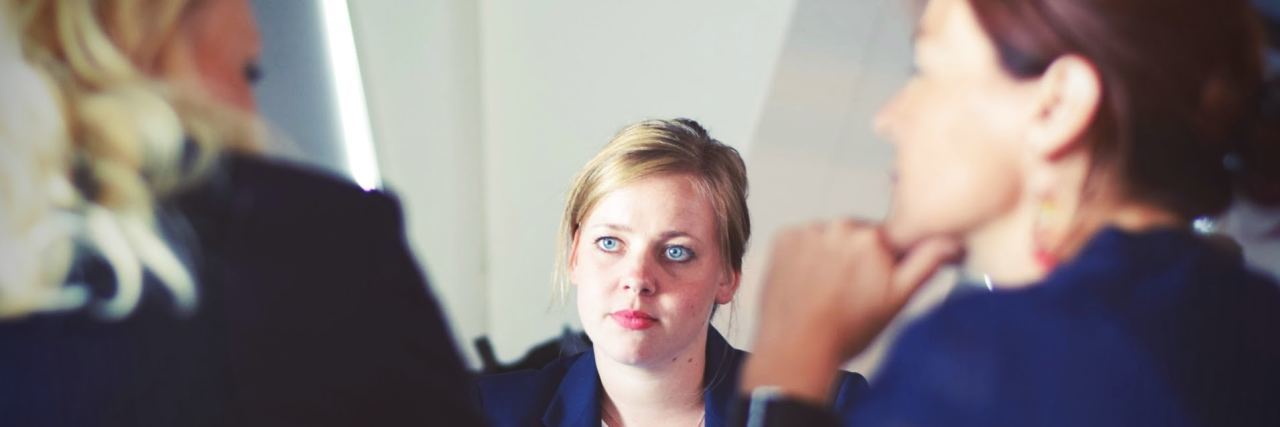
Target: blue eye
pixel 608 244
pixel 678 253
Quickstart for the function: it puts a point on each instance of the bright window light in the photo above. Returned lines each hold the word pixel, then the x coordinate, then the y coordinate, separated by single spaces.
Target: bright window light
pixel 357 138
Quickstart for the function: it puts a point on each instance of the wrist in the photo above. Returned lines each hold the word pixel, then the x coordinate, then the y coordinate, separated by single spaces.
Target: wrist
pixel 798 367
pixel 764 406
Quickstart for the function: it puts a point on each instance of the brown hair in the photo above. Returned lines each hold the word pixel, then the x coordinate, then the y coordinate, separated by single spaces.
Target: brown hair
pixel 1181 121
pixel 662 147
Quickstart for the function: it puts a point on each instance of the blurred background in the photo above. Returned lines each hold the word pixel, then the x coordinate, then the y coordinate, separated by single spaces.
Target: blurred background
pixel 478 113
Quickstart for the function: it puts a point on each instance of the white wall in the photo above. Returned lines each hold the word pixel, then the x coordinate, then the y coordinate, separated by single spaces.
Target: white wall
pixel 420 62
pixel 295 93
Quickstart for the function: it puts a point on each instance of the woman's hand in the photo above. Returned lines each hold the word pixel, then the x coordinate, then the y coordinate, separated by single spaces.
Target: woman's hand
pixel 830 289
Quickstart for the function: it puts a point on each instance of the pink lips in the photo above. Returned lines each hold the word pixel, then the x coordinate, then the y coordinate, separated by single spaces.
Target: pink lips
pixel 633 319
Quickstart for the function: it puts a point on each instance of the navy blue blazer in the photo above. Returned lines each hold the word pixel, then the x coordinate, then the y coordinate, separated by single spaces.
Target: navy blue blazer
pixel 1140 329
pixel 567 392
pixel 312 312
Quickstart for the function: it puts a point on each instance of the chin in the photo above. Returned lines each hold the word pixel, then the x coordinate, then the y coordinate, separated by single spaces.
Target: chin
pixel 906 228
pixel 902 232
pixel 627 353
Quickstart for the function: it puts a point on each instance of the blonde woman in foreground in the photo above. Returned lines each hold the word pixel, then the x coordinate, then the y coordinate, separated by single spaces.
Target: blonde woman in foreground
pixel 156 272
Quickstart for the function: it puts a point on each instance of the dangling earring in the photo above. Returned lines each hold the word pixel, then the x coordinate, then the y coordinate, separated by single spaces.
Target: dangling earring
pixel 1043 235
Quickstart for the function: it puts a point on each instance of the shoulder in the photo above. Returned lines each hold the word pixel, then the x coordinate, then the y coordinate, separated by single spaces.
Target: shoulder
pixel 269 206
pixel 975 333
pixel 521 397
pixel 271 185
pixel 543 381
pixel 952 361
pixel 266 174
pixel 261 191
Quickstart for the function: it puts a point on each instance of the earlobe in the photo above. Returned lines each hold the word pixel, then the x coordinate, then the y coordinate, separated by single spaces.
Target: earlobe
pixel 728 288
pixel 1070 92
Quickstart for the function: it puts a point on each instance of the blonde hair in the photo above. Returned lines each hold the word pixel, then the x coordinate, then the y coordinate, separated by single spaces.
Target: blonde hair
pixel 92 143
pixel 655 148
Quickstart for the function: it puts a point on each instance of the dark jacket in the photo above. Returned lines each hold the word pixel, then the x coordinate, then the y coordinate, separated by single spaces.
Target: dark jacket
pixel 567 392
pixel 312 312
pixel 1149 329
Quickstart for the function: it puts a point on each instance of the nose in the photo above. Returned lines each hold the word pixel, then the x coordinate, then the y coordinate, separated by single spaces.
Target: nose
pixel 638 286
pixel 638 275
pixel 885 119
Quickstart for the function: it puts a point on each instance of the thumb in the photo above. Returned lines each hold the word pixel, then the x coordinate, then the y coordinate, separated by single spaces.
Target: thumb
pixel 920 263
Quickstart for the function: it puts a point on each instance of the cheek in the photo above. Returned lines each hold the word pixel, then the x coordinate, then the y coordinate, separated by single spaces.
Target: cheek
pixel 592 297
pixel 695 295
pixel 589 275
pixel 221 67
pixel 958 169
pixel 592 268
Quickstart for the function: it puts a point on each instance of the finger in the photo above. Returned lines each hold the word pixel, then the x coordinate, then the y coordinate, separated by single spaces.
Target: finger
pixel 920 263
pixel 852 222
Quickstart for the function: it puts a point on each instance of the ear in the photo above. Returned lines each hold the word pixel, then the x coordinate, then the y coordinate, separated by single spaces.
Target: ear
pixel 1067 100
pixel 729 287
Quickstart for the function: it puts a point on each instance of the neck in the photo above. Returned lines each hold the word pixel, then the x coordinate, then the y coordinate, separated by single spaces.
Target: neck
pixel 1130 217
pixel 1003 250
pixel 665 392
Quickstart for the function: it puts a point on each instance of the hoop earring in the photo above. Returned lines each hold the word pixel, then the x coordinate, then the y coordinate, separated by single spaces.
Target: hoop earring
pixel 1043 235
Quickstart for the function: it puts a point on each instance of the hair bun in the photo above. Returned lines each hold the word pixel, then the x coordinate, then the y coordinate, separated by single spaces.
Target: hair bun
pixel 692 124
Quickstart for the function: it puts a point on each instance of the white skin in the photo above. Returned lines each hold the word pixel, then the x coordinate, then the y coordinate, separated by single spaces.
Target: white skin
pixel 977 152
pixel 217 45
pixel 651 246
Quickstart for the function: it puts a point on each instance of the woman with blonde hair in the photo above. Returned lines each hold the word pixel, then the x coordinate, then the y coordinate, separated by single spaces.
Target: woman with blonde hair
pixel 651 240
pixel 157 271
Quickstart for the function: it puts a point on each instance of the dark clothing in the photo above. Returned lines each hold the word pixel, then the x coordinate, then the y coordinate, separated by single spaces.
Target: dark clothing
pixel 568 393
pixel 1155 328
pixel 311 312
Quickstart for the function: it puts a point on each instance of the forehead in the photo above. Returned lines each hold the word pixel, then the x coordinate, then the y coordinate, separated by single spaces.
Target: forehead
pixel 949 30
pixel 658 204
pixel 944 21
pixel 226 20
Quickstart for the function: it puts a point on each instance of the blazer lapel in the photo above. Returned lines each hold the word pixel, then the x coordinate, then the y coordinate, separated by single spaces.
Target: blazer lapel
pixel 577 399
pixel 720 378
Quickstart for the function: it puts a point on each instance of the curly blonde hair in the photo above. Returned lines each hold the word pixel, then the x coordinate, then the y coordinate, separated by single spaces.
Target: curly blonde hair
pixel 90 143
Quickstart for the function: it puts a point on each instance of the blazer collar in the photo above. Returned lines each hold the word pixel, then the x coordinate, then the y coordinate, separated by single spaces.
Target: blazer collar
pixel 577 399
pixel 720 378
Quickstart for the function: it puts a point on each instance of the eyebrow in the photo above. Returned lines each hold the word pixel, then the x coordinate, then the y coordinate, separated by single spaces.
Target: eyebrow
pixel 665 235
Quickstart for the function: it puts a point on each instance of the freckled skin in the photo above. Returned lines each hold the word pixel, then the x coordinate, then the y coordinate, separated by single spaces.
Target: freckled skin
pixel 643 221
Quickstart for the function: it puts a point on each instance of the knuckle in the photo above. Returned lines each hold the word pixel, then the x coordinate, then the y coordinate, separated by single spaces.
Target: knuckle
pixel 862 236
